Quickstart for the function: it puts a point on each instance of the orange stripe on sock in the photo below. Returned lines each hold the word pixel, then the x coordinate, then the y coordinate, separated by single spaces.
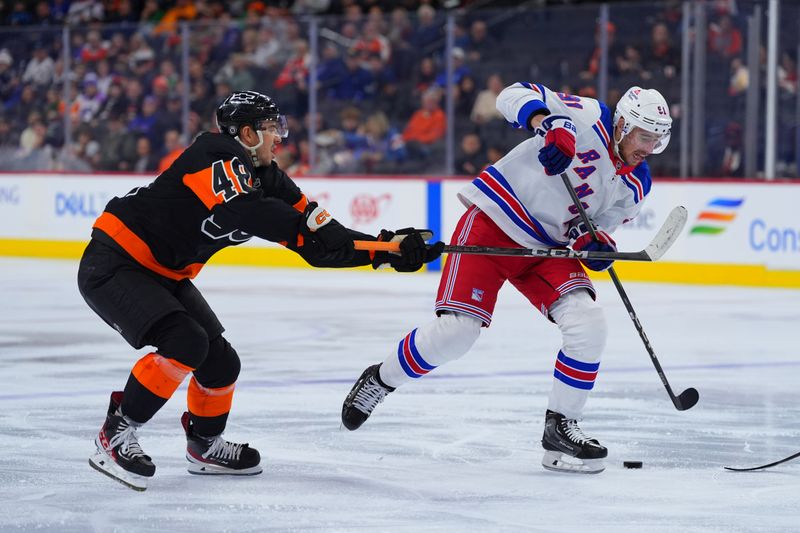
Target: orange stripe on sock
pixel 160 375
pixel 203 401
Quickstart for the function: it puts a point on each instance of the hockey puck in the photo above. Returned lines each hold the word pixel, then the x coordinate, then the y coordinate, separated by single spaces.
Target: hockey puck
pixel 632 464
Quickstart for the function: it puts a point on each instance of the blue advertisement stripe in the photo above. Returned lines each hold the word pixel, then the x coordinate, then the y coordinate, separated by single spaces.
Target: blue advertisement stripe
pixel 726 202
pixel 407 369
pixel 412 343
pixel 435 219
pixel 573 382
pixel 578 365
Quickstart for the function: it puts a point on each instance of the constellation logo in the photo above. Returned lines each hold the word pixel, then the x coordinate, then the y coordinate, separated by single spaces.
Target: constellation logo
pixel 718 214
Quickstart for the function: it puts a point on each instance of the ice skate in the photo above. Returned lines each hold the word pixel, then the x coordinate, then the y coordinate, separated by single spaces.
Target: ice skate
pixel 568 449
pixel 365 395
pixel 216 456
pixel 119 455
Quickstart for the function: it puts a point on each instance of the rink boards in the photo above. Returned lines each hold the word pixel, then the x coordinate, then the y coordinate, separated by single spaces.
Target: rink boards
pixel 738 232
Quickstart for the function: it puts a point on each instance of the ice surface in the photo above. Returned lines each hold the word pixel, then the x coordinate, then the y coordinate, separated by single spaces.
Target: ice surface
pixel 455 451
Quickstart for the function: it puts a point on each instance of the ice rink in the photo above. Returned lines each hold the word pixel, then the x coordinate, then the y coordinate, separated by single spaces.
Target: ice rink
pixel 456 451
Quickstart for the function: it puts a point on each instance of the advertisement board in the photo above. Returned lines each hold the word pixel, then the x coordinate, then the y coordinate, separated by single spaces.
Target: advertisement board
pixel 737 232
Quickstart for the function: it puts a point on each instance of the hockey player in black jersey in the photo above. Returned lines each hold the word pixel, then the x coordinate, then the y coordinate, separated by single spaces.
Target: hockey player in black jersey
pixel 148 245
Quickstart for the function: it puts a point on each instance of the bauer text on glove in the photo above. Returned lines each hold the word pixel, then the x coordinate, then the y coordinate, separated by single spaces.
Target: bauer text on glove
pixel 559 144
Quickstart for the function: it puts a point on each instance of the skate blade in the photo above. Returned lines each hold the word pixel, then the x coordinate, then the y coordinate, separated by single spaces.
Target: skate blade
pixel 203 469
pixel 555 462
pixel 105 465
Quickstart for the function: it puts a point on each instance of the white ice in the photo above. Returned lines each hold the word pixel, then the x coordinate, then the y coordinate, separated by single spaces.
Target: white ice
pixel 456 451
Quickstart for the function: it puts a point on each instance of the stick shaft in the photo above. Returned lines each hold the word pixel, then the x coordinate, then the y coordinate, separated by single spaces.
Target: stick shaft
pixel 556 253
pixel 624 296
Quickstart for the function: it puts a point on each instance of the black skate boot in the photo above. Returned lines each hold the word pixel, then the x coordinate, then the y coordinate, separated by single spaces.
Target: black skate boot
pixel 119 455
pixel 562 436
pixel 215 455
pixel 365 395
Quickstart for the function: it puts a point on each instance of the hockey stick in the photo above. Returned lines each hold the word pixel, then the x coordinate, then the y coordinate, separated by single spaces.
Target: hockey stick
pixel 734 469
pixel 688 398
pixel 664 238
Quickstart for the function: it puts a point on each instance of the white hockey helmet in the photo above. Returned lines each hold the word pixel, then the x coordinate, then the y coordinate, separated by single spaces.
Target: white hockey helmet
pixel 645 109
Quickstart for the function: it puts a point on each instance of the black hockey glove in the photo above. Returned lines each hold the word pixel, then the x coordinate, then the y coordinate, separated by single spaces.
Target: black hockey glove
pixel 413 250
pixel 322 235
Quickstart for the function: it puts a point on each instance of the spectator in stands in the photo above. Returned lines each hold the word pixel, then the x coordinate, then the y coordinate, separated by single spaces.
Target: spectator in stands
pixel 787 72
pixel 295 71
pixel 89 101
pixel 86 148
pixel 479 44
pixel 40 68
pixel 661 57
pixel 146 161
pixel 83 12
pixel 19 16
pixel 460 69
pixel 33 136
pixel 354 84
pixel 485 108
pixel 372 43
pixel 465 94
pixel 145 122
pixel 94 49
pixel 9 80
pixel 424 76
pixel 268 52
pixel 592 66
pixel 724 38
pixel 173 147
pixel 117 145
pixel 732 156
pixel 472 159
pixel 630 64
pixel 427 32
pixel 382 147
pixel 426 128
pixel 8 135
pixel 182 10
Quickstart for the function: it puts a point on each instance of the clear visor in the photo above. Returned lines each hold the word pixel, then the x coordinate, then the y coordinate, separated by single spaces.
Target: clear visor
pixel 652 143
pixel 278 127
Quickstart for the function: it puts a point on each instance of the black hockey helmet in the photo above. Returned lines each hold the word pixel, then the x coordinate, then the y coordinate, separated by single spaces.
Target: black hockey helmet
pixel 249 108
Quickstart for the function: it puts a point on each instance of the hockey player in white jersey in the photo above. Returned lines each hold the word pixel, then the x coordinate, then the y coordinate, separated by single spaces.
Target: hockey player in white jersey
pixel 521 201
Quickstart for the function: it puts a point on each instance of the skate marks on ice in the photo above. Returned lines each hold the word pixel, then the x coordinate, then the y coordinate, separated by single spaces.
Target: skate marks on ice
pixel 457 451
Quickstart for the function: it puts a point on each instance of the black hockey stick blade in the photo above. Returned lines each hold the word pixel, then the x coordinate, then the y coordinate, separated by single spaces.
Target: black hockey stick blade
pixel 750 469
pixel 687 399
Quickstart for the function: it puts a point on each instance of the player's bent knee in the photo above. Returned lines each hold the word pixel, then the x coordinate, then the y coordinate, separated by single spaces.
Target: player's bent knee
pixel 582 323
pixel 452 335
pixel 222 366
pixel 178 336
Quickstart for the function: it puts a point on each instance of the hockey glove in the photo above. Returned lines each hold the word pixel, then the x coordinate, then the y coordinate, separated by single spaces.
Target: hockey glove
pixel 322 234
pixel 559 144
pixel 413 250
pixel 582 240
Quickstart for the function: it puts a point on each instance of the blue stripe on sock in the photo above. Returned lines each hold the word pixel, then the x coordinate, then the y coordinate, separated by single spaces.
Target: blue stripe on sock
pixel 573 382
pixel 578 365
pixel 403 364
pixel 415 354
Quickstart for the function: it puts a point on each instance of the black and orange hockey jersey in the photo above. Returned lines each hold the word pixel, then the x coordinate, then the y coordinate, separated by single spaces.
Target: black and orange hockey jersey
pixel 211 197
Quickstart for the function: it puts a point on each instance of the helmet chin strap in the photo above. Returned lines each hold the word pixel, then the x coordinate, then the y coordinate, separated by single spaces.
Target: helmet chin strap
pixel 253 149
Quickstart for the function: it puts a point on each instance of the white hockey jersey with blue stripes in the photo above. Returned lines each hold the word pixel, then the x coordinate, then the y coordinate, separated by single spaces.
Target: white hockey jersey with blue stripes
pixel 535 209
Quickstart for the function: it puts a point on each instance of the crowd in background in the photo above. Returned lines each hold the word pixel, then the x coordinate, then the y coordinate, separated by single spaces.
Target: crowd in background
pixel 380 75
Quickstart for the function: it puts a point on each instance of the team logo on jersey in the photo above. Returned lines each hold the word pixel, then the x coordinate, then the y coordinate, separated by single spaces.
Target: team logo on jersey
pixel 718 214
pixel 477 295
